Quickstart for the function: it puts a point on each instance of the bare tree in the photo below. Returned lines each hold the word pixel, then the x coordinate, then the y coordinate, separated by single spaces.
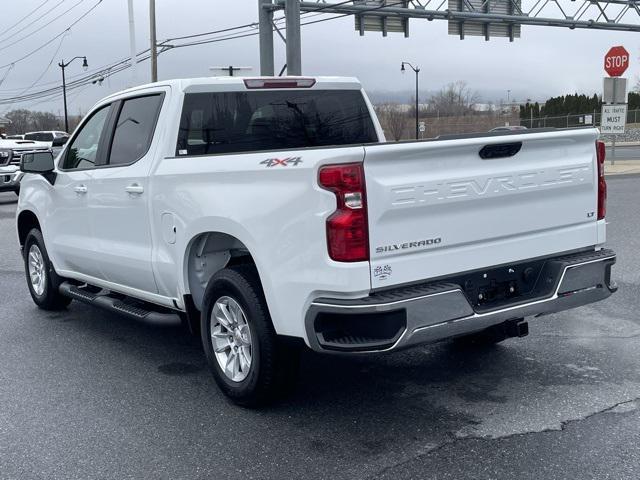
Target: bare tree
pixel 454 99
pixel 23 121
pixel 393 120
pixel 20 120
pixel 44 121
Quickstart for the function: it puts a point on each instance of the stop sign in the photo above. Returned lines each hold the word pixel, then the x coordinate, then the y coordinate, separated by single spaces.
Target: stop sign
pixel 616 61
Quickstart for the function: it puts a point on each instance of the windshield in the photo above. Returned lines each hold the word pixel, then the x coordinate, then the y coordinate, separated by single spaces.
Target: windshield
pixel 272 120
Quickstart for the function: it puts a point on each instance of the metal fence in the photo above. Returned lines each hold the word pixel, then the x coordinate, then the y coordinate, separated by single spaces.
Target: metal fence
pixel 574 120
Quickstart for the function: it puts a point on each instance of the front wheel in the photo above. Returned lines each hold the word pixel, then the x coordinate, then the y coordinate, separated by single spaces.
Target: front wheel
pixel 42 279
pixel 248 361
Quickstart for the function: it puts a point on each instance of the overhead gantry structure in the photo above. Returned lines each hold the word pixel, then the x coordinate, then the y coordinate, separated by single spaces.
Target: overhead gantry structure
pixel 488 18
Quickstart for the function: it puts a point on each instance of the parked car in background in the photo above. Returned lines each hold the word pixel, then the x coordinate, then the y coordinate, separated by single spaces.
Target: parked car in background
pixel 10 155
pixel 55 138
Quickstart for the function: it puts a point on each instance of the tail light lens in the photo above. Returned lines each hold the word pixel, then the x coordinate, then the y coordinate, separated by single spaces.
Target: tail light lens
pixel 347 228
pixel 602 183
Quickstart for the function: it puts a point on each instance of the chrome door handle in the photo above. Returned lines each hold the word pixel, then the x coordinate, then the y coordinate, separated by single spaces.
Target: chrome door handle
pixel 80 189
pixel 135 188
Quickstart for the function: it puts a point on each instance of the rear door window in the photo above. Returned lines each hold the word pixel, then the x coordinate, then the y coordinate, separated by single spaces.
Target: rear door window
pixel 231 122
pixel 134 129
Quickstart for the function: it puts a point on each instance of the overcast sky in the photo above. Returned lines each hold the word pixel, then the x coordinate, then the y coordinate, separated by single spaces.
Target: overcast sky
pixel 545 61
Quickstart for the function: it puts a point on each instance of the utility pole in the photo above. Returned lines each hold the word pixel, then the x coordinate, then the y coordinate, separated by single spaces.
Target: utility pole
pixel 63 65
pixel 154 50
pixel 132 45
pixel 294 46
pixel 417 71
pixel 64 96
pixel 265 21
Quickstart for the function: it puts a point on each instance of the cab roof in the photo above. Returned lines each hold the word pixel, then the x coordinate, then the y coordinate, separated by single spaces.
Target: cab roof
pixel 222 84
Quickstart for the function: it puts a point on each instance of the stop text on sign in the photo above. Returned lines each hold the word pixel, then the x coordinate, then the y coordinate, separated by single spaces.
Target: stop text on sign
pixel 616 61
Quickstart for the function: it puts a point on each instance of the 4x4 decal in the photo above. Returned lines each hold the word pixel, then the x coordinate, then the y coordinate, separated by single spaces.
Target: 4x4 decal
pixel 285 162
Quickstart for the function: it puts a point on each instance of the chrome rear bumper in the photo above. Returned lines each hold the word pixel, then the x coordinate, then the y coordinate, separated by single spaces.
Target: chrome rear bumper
pixel 428 313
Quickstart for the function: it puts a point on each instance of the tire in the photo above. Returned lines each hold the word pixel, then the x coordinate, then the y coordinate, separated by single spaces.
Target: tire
pixel 37 265
pixel 269 370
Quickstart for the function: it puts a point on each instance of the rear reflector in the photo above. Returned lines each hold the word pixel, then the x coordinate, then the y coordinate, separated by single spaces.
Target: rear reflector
pixel 602 183
pixel 256 83
pixel 347 227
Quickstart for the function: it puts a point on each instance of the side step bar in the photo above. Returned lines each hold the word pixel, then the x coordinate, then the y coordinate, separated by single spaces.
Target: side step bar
pixel 134 309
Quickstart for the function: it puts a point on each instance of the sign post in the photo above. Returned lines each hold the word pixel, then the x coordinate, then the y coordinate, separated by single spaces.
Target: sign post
pixel 614 95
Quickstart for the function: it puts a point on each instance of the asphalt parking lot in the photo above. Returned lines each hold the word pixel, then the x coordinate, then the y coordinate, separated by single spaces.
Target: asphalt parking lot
pixel 87 394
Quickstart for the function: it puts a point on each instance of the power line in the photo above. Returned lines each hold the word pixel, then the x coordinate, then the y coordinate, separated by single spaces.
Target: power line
pixel 217 39
pixel 48 42
pixel 122 65
pixel 210 33
pixel 43 72
pixel 4 77
pixel 89 73
pixel 106 72
pixel 249 34
pixel 41 27
pixel 26 16
pixel 253 25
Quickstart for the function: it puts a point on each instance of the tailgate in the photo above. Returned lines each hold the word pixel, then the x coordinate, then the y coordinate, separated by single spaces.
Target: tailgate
pixel 437 208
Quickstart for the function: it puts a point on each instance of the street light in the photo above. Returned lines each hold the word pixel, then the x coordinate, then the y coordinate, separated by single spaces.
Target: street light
pixel 63 65
pixel 417 71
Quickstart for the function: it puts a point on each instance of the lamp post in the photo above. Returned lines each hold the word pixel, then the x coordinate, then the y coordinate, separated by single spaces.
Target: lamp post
pixel 63 65
pixel 417 71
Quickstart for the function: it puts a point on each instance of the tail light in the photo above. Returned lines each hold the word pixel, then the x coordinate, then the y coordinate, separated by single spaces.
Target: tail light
pixel 602 183
pixel 347 228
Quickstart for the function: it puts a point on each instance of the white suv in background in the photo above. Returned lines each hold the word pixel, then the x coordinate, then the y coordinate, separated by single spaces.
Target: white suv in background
pixel 54 138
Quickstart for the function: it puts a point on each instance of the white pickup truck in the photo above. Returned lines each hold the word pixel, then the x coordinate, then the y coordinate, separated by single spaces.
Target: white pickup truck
pixel 267 213
pixel 11 151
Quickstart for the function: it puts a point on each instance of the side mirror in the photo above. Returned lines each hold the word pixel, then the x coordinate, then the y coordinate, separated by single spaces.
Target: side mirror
pixel 59 141
pixel 37 162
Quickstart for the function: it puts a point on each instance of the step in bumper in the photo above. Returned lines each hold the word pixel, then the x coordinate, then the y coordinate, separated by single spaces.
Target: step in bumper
pixel 431 312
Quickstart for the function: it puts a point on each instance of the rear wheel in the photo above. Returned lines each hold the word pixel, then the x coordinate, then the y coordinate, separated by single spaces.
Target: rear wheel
pixel 42 279
pixel 248 361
